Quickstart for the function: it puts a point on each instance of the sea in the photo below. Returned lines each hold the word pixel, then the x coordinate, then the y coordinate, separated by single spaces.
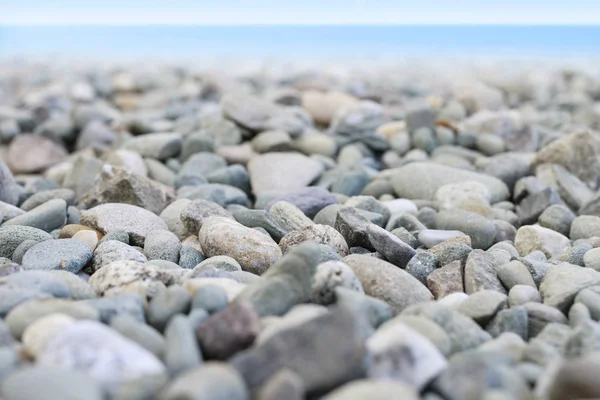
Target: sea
pixel 365 43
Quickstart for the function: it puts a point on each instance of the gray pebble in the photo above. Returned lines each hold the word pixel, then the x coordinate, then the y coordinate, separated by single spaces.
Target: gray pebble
pixel 162 245
pixel 181 352
pixel 189 257
pixel 67 254
pixel 166 304
pixel 142 334
pixel 47 217
pixel 210 298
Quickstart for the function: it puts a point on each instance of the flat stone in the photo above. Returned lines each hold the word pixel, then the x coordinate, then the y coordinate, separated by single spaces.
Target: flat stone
pixel 282 171
pixel 12 236
pixel 41 197
pixel 309 200
pixel 387 282
pixel 393 249
pixel 136 221
pixel 67 254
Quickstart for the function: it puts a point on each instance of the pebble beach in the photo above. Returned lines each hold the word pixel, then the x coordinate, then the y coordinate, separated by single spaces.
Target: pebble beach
pixel 382 232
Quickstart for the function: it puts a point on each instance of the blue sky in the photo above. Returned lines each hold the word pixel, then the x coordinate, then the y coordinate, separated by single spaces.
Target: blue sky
pixel 211 12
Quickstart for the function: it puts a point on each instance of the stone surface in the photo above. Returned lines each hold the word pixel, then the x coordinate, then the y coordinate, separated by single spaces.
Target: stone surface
pixel 212 380
pixel 321 234
pixel 254 251
pixel 563 282
pixel 136 221
pixel 387 282
pixel 30 153
pixel 113 250
pixel 536 238
pixel 117 276
pixel 59 254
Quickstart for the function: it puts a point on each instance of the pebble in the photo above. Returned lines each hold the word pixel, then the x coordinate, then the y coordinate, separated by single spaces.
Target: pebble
pixel 42 197
pixel 100 352
pixel 171 215
pixel 446 280
pixel 196 211
pixel 162 245
pixel 585 226
pixel 309 200
pixel 289 217
pixel 114 250
pixel 393 249
pixel 562 283
pixel 30 153
pixel 47 217
pixel 182 353
pixel 254 251
pixel 66 254
pixel 320 234
pixel 144 335
pixel 387 282
pixel 223 263
pixel 532 238
pixel 329 276
pixel 212 299
pixel 117 276
pixel 481 230
pixel 156 145
pixel 136 221
pixel 213 380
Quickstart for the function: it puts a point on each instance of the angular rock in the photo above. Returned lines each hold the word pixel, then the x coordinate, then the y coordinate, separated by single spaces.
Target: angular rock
pixel 536 238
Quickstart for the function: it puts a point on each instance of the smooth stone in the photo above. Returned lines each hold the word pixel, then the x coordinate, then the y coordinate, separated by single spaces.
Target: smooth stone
pixel 285 384
pixel 422 180
pixel 50 383
pixel 320 234
pixel 426 327
pixel 27 313
pixel 532 238
pixel 469 196
pixel 196 167
pixel 289 217
pixel 223 280
pixel 254 251
pixel 583 227
pixel 210 381
pixel 47 217
pixel 373 311
pixel 136 221
pixel 330 275
pixel 234 175
pixel 159 172
pixel 113 250
pixel 78 287
pixel 515 273
pixel 9 189
pixel 82 175
pixel 258 219
pixel 570 188
pixel 117 276
pixel 422 265
pixel 287 283
pixel 42 197
pixel 20 251
pixel 532 206
pixel 591 259
pixel 189 257
pixel 144 335
pixel 100 352
pixel 224 263
pixel 282 171
pixel 481 230
pixel 514 320
pixel 126 160
pixel 14 296
pixel 67 254
pixel 182 353
pixel 90 238
pixel 162 245
pixel 8 211
pixel 387 282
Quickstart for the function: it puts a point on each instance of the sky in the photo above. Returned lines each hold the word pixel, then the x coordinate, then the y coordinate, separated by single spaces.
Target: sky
pixel 301 12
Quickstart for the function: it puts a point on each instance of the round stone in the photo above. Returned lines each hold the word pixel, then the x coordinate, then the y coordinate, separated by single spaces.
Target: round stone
pixel 66 254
